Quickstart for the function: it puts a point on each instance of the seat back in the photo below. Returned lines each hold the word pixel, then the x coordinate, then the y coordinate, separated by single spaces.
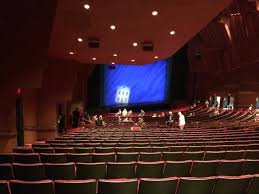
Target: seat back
pixel 232 184
pixel 253 187
pixel 6 158
pixel 60 171
pixel 6 172
pixel 251 167
pixel 230 167
pixel 121 170
pixel 177 168
pixel 4 187
pixel 127 156
pixel 26 158
pixel 76 157
pixel 149 156
pixel 53 158
pixel 75 186
pixel 36 187
pixel 103 157
pixel 29 172
pixel 155 186
pixel 150 169
pixel 108 186
pixel 204 168
pixel 91 170
pixel 194 185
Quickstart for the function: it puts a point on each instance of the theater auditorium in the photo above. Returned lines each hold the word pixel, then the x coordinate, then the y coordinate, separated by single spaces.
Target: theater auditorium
pixel 129 97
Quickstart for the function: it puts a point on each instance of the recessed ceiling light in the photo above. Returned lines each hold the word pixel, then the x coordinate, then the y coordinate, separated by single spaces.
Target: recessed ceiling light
pixel 154 13
pixel 71 53
pixel 115 55
pixel 112 27
pixel 113 63
pixel 86 6
pixel 135 44
pixel 156 57
pixel 80 40
pixel 172 32
pixel 94 59
pixel 132 60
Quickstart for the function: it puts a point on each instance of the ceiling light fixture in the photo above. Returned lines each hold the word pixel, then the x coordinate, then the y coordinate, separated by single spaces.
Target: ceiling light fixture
pixel 135 44
pixel 172 32
pixel 115 55
pixel 94 59
pixel 113 63
pixel 156 57
pixel 154 13
pixel 80 40
pixel 71 53
pixel 113 27
pixel 132 60
pixel 87 6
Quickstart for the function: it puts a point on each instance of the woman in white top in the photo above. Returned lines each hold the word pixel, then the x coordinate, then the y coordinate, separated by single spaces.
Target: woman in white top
pixel 181 122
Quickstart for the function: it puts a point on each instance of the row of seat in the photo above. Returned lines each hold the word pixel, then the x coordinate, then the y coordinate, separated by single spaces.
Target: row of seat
pixel 184 185
pixel 113 170
pixel 125 156
pixel 172 147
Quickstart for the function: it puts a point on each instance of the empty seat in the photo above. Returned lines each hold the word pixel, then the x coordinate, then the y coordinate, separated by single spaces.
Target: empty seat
pixel 104 149
pixel 142 149
pixel 231 184
pixel 177 168
pixel 160 149
pixel 40 145
pixel 84 149
pixel 53 158
pixel 43 150
pixel 103 157
pixel 4 187
pixel 127 157
pixel 75 186
pixel 6 158
pixel 64 149
pixel 212 148
pixel 234 154
pixel 82 157
pixel 253 187
pixel 29 172
pixel 204 168
pixel 108 186
pixel 150 169
pixel 193 155
pixel 123 149
pixel 149 156
pixel 31 187
pixel 195 148
pixel 172 156
pixel 121 170
pixel 214 155
pixel 6 172
pixel 177 148
pixel 192 185
pixel 23 149
pixel 251 167
pixel 26 158
pixel 251 154
pixel 230 167
pixel 61 171
pixel 156 186
pixel 91 170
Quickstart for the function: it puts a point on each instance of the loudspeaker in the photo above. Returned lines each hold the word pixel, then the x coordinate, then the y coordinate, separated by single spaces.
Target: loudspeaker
pixel 148 46
pixel 19 120
pixel 93 43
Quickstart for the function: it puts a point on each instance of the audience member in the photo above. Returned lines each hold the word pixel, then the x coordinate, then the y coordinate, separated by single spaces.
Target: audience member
pixel 181 122
pixel 75 117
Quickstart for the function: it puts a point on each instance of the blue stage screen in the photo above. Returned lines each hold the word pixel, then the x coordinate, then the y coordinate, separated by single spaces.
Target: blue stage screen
pixel 126 85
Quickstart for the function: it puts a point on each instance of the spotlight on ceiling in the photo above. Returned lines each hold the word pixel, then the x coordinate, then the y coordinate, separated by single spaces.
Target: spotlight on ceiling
pixel 113 63
pixel 71 53
pixel 115 55
pixel 172 32
pixel 113 27
pixel 94 59
pixel 154 13
pixel 135 44
pixel 87 6
pixel 132 60
pixel 156 57
pixel 80 40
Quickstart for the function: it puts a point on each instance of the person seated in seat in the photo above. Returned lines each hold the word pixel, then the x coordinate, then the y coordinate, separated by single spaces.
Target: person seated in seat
pixel 154 115
pixel 124 112
pixel 141 114
pixel 141 122
pixel 181 122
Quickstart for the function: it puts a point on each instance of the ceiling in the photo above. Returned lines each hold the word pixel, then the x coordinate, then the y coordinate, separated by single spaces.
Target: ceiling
pixel 134 23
